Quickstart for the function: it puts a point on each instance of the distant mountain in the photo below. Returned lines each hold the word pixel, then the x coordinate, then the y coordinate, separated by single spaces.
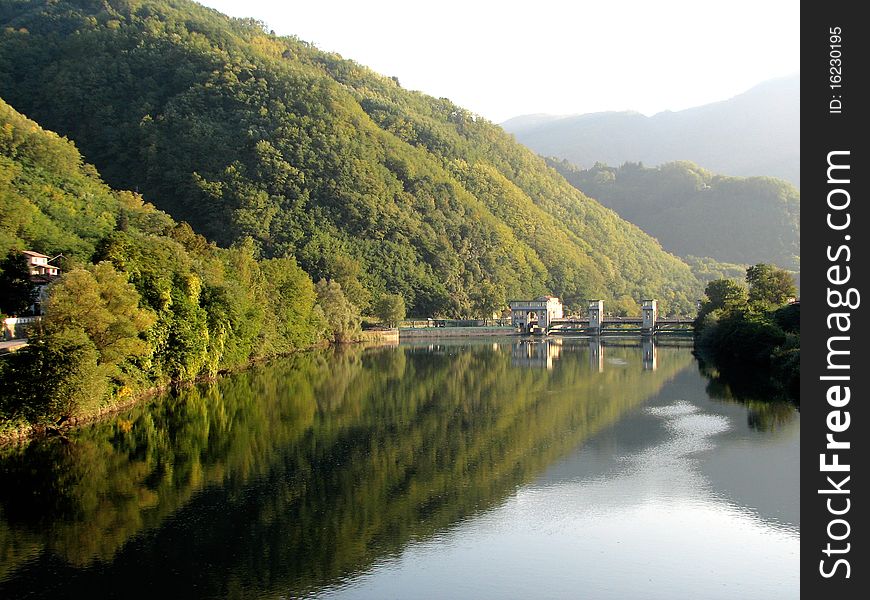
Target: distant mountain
pixel 695 213
pixel 755 133
pixel 529 121
pixel 267 141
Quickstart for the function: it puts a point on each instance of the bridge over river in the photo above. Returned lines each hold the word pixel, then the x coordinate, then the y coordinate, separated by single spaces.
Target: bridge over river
pixel 544 320
pixel 620 325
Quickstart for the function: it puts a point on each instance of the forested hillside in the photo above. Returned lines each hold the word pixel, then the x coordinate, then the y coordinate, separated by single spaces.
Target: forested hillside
pixel 143 300
pixel 248 136
pixel 695 213
pixel 52 200
pixel 756 133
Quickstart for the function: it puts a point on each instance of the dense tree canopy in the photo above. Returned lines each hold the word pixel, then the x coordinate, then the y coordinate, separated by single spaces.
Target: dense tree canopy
pixel 695 213
pixel 102 303
pixel 160 304
pixel 769 286
pixel 390 309
pixel 342 316
pixel 250 136
pixel 753 331
pixel 723 294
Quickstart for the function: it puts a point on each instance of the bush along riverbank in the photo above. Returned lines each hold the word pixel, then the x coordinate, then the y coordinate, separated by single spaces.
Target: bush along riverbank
pixel 142 319
pixel 752 331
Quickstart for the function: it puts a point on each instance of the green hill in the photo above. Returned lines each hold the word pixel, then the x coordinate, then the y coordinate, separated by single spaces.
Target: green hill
pixel 52 200
pixel 162 305
pixel 694 213
pixel 247 135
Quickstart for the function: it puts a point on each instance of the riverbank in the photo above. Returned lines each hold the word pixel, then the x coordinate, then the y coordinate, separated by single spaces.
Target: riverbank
pixel 378 336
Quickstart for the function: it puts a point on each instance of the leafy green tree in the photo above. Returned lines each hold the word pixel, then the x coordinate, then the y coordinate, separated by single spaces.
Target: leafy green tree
pixel 769 286
pixel 16 291
pixel 192 327
pixel 624 306
pixel 390 309
pixel 725 295
pixel 488 299
pixel 738 331
pixel 93 323
pixel 102 303
pixel 293 300
pixel 342 316
pixel 58 374
pixel 346 271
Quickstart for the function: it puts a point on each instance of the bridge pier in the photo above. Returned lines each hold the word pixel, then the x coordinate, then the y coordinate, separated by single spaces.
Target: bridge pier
pixel 650 312
pixel 596 312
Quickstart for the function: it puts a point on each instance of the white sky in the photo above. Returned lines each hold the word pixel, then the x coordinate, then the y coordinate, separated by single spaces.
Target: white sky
pixel 503 59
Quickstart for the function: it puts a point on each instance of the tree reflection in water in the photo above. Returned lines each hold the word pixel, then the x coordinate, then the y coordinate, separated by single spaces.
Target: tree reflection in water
pixel 301 473
pixel 769 409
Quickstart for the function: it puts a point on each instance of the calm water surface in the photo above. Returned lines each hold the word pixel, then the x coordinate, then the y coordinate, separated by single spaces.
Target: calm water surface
pixel 479 469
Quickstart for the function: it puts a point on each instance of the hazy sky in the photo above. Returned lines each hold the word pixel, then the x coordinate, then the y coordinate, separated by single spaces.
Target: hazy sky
pixel 503 59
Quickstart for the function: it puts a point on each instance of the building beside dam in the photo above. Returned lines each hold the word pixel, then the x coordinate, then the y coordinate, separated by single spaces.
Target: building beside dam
pixel 541 312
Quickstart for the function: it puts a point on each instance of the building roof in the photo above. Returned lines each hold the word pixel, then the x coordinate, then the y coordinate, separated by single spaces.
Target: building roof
pixel 35 254
pixel 539 302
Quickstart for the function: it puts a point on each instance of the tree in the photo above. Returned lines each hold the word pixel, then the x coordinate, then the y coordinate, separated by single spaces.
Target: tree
pixel 92 323
pixel 16 291
pixel 102 303
pixel 345 271
pixel 342 316
pixel 57 374
pixel 390 309
pixel 769 286
pixel 487 299
pixel 624 306
pixel 294 300
pixel 723 294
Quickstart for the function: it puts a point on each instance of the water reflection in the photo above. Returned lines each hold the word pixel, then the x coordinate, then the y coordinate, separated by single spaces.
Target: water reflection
pixel 309 475
pixel 768 408
pixel 538 352
pixel 650 354
pixel 677 500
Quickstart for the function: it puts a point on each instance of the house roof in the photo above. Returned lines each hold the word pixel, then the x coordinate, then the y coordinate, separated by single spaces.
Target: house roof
pixel 35 254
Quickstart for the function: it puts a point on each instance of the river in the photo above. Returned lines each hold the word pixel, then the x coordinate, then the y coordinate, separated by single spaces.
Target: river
pixel 507 468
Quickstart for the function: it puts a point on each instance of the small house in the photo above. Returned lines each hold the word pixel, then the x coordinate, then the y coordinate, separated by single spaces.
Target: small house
pixel 40 264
